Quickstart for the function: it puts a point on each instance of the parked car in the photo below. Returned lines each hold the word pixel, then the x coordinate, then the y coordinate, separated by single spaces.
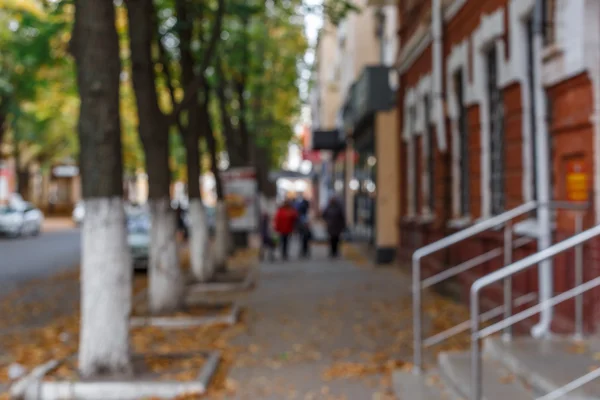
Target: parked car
pixel 211 218
pixel 138 238
pixel 20 218
pixel 78 213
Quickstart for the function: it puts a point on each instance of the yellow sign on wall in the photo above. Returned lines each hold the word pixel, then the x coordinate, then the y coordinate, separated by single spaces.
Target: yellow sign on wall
pixel 577 182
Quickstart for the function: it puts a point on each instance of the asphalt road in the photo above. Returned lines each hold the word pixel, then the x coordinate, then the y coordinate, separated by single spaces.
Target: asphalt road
pixel 29 258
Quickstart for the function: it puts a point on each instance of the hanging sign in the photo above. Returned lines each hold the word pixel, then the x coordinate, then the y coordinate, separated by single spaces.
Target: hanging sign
pixel 577 181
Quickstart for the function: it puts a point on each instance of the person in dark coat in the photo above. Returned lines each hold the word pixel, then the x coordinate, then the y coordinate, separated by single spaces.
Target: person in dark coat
pixel 303 230
pixel 268 244
pixel 181 226
pixel 334 217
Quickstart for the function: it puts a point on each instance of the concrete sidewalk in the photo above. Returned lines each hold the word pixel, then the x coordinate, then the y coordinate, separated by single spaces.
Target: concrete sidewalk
pixel 322 329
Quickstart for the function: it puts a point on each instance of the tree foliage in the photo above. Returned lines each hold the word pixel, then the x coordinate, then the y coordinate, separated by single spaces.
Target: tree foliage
pixel 255 74
pixel 37 91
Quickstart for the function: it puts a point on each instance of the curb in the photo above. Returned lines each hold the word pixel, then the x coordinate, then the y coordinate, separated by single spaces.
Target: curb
pixel 34 388
pixel 187 322
pixel 247 284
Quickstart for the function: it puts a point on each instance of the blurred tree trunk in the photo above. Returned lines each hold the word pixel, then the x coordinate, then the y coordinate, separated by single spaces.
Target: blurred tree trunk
pixel 166 282
pixel 222 236
pixel 211 144
pixel 105 266
pixel 200 252
pixel 23 180
pixel 238 154
pixel 3 118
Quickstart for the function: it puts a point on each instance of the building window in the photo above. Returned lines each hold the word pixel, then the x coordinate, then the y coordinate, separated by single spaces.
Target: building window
pixel 496 132
pixel 412 166
pixel 549 29
pixel 430 156
pixel 531 75
pixel 465 185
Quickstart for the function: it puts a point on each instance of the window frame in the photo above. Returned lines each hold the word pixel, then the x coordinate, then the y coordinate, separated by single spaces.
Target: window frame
pixel 464 143
pixel 416 189
pixel 497 133
pixel 428 161
pixel 549 27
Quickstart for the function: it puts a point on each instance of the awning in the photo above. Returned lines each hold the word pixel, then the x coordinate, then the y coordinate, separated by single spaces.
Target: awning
pixel 327 140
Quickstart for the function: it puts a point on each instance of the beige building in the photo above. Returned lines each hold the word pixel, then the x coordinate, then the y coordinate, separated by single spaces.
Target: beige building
pixel 355 98
pixel 325 94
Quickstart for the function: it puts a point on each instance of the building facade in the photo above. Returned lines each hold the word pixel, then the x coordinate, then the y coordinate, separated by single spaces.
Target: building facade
pixel 491 120
pixel 361 164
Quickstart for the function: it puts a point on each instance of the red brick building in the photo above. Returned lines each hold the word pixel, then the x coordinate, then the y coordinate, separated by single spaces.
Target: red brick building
pixel 470 81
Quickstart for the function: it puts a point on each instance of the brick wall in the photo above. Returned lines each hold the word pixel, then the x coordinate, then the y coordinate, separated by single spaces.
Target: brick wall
pixel 571 105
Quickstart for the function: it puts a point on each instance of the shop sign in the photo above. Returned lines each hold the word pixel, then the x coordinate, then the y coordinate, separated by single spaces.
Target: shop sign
pixel 577 181
pixel 313 156
pixel 241 191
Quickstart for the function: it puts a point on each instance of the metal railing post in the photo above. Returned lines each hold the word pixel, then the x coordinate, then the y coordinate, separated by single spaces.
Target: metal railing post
pixel 476 384
pixel 417 316
pixel 508 300
pixel 579 279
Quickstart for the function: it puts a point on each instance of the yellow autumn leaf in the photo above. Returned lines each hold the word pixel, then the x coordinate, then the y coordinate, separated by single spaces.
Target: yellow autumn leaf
pixel 31 6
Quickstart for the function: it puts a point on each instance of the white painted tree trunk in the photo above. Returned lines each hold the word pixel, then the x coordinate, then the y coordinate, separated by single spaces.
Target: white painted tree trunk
pixel 106 275
pixel 166 282
pixel 200 250
pixel 222 239
pixel 230 241
pixel 268 205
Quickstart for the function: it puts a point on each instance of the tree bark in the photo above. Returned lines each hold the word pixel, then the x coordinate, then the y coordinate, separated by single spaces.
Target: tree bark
pixel 235 149
pixel 191 90
pixel 105 262
pixel 263 166
pixel 221 236
pixel 166 280
pixel 23 182
pixel 3 118
pixel 200 252
pixel 211 144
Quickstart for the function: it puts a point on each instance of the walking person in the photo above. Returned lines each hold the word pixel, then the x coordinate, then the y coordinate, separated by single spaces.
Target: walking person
pixel 303 231
pixel 181 225
pixel 302 206
pixel 267 248
pixel 334 217
pixel 285 222
pixel 305 234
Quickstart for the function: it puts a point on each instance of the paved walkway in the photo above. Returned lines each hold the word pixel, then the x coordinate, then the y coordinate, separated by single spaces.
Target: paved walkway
pixel 322 329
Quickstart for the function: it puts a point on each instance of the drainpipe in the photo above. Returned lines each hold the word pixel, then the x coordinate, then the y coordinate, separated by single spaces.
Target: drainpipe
pixel 595 77
pixel 545 272
pixel 438 71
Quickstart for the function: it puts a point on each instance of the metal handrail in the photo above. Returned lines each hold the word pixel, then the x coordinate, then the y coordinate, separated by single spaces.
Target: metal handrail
pixel 418 286
pixel 478 334
pixel 502 219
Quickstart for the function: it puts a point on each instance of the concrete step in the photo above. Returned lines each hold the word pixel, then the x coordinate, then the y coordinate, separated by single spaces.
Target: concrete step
pixel 549 364
pixel 408 386
pixel 498 382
